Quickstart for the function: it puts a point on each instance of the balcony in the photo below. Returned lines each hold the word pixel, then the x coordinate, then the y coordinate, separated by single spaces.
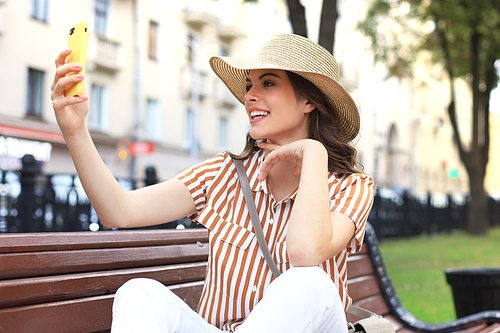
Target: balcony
pixel 103 54
pixel 228 32
pixel 198 14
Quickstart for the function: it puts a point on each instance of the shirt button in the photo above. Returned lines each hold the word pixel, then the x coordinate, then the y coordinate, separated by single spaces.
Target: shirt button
pixel 271 221
pixel 254 288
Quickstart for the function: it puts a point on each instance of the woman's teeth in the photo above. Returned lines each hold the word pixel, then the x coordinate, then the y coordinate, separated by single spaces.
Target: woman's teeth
pixel 258 114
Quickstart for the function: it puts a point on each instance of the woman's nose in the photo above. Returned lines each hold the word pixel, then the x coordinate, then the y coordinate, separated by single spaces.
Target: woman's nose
pixel 251 95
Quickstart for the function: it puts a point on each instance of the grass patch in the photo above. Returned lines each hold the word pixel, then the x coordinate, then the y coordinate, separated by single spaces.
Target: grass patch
pixel 416 267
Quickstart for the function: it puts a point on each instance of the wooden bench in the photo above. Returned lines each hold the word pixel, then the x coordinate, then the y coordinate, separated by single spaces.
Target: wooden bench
pixel 64 282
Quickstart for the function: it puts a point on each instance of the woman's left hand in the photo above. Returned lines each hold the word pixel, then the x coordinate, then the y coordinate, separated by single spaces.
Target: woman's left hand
pixel 293 151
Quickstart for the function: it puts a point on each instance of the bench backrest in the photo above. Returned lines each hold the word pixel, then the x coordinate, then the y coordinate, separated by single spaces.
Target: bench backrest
pixel 65 282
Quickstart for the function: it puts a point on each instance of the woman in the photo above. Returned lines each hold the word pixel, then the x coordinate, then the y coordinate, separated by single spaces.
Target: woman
pixel 312 200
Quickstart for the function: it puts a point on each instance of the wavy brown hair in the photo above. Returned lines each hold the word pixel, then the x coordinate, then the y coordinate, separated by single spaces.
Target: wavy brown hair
pixel 322 127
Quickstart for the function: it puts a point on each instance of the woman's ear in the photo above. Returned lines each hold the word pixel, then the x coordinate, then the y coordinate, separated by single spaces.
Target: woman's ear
pixel 309 106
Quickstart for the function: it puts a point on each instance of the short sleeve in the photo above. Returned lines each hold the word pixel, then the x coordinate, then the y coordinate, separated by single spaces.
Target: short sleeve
pixel 198 179
pixel 352 195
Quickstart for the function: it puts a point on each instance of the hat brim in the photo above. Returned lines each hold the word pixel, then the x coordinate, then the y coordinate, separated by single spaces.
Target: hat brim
pixel 233 72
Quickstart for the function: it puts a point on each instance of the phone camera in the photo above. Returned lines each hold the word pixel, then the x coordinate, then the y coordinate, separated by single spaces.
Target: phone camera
pixel 72 31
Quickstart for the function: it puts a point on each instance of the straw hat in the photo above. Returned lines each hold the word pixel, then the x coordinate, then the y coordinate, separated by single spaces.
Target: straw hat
pixel 302 56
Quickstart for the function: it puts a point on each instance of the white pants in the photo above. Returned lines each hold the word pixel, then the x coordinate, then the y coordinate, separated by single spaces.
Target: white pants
pixel 301 300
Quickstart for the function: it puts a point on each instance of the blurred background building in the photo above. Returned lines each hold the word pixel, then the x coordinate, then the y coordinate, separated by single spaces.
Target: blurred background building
pixel 156 102
pixel 154 99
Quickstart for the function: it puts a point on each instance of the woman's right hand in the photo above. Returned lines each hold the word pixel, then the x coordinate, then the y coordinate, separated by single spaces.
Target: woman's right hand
pixel 70 111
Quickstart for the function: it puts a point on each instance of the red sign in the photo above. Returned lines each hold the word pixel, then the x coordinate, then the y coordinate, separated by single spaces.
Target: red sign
pixel 137 148
pixel 32 133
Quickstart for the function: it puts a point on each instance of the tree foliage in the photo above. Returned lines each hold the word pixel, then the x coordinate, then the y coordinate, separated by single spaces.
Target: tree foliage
pixel 463 36
pixel 399 29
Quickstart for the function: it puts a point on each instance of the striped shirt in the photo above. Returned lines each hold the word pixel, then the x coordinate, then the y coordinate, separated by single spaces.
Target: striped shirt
pixel 237 273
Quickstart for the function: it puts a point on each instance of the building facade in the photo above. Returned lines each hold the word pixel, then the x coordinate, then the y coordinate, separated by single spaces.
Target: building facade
pixel 156 102
pixel 154 99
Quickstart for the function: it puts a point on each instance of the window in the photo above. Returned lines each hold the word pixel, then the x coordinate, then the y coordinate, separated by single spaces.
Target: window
pixel 98 117
pixel 35 92
pixel 39 10
pixel 193 45
pixel 153 40
pixel 223 51
pixel 222 137
pixel 190 55
pixel 189 128
pixel 153 120
pixel 101 11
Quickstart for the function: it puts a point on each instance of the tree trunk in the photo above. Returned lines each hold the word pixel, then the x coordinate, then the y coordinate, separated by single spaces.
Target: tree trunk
pixel 297 14
pixel 477 218
pixel 476 157
pixel 329 15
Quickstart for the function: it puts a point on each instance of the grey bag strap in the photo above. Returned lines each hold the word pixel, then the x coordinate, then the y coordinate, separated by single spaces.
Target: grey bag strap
pixel 245 186
pixel 371 325
pixel 362 313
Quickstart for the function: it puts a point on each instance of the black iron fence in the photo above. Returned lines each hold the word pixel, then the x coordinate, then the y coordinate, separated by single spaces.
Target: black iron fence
pixel 32 202
pixel 406 216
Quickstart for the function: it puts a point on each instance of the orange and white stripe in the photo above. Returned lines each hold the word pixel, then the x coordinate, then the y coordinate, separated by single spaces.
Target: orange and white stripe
pixel 237 273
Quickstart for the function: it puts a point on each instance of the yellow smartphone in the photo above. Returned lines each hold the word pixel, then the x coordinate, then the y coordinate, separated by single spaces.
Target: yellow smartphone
pixel 77 41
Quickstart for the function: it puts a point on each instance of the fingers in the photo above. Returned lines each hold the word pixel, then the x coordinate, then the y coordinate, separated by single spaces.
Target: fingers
pixel 61 57
pixel 63 68
pixel 59 86
pixel 59 103
pixel 59 100
pixel 274 157
pixel 277 153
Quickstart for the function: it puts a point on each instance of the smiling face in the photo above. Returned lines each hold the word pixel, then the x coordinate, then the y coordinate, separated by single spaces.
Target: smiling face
pixel 274 110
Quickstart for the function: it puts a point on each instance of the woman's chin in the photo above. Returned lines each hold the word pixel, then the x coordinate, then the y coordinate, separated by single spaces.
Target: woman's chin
pixel 256 136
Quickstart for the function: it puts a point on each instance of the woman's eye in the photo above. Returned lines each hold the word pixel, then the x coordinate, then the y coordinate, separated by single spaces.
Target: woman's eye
pixel 248 88
pixel 268 84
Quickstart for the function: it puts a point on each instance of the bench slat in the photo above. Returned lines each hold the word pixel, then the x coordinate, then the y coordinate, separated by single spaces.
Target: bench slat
pixel 64 287
pixel 495 328
pixel 359 265
pixel 363 287
pixel 10 243
pixel 60 317
pixel 475 329
pixel 375 304
pixel 404 330
pixel 75 315
pixel 30 264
